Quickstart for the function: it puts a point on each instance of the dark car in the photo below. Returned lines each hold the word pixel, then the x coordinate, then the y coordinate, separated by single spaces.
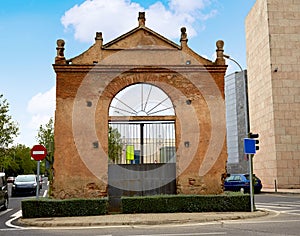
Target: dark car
pixel 24 184
pixel 241 182
pixel 3 192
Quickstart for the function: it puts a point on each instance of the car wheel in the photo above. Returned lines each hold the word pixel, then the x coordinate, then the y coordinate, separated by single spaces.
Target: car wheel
pixel 257 191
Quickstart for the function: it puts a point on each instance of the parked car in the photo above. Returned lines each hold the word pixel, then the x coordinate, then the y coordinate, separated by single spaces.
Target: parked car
pixel 237 182
pixel 3 192
pixel 24 184
pixel 10 179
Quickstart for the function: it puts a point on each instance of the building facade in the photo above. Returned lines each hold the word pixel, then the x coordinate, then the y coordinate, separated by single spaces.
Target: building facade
pixel 236 121
pixel 273 60
pixel 94 116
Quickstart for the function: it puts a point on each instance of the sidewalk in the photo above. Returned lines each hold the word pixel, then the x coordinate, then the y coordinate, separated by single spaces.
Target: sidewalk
pixel 139 219
pixel 272 190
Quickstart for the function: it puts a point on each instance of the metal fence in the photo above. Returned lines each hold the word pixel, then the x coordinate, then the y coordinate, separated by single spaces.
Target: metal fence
pixel 141 142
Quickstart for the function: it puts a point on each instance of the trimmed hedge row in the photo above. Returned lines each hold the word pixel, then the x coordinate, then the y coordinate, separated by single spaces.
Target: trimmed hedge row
pixel 45 207
pixel 186 203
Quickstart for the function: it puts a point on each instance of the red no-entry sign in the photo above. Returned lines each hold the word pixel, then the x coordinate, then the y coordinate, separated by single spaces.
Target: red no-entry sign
pixel 38 152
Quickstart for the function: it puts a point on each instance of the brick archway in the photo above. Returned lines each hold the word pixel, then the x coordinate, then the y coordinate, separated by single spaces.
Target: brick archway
pixel 87 83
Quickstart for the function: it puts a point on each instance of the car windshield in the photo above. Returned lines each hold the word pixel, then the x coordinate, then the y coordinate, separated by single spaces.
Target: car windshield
pixel 25 178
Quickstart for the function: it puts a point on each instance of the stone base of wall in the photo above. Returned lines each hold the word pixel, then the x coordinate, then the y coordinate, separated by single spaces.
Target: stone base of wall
pixel 200 185
pixel 89 190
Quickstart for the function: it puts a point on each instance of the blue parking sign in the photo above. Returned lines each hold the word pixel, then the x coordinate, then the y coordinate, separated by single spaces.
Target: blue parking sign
pixel 249 146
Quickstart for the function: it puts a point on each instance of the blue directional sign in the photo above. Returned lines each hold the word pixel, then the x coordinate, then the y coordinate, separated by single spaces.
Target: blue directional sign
pixel 249 146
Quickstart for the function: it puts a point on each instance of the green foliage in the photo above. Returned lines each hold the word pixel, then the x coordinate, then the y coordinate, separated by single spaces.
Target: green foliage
pixel 114 144
pixel 45 207
pixel 17 161
pixel 45 135
pixel 8 128
pixel 186 203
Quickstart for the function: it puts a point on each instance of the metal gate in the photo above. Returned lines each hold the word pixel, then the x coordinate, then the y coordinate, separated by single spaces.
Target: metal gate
pixel 141 142
pixel 142 159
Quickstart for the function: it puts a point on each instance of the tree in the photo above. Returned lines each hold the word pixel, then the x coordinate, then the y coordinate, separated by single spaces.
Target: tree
pixel 46 134
pixel 45 137
pixel 18 161
pixel 114 144
pixel 8 128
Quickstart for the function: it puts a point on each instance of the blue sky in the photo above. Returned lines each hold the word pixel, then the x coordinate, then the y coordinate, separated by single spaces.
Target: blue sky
pixel 29 30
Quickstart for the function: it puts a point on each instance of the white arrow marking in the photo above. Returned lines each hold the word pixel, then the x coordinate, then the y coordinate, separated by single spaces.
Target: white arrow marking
pixel 15 216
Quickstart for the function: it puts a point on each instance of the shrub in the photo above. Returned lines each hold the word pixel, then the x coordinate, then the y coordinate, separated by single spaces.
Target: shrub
pixel 186 203
pixel 46 207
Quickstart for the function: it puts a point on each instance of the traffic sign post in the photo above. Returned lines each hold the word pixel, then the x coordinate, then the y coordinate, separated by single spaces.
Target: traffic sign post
pixel 38 153
pixel 250 147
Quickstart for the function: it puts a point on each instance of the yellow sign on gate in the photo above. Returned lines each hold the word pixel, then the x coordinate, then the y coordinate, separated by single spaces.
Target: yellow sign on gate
pixel 130 152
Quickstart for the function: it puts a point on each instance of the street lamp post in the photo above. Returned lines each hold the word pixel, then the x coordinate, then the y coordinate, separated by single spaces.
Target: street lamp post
pixel 247 129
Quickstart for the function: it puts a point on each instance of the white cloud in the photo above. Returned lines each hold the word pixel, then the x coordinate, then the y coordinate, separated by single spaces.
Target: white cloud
pixel 41 108
pixel 115 17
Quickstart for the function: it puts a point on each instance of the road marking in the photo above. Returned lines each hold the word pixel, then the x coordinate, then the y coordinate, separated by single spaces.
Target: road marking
pixel 271 206
pixel 185 234
pixel 4 212
pixel 9 229
pixel 259 222
pixel 15 216
pixel 45 193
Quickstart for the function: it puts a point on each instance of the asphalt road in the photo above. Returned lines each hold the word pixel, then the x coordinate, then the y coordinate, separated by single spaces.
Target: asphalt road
pixel 284 219
pixel 14 208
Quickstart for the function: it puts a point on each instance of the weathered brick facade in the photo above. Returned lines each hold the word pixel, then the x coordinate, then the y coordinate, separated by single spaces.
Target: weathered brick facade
pixel 87 84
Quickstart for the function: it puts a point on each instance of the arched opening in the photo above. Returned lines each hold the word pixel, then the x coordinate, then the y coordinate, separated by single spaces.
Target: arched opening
pixel 141 126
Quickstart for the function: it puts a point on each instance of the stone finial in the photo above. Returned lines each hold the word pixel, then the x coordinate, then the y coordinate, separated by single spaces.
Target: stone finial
pixel 141 19
pixel 60 57
pixel 99 38
pixel 183 38
pixel 220 52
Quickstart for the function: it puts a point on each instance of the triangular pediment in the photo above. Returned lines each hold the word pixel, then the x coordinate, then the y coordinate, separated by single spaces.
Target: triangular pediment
pixel 142 42
pixel 140 37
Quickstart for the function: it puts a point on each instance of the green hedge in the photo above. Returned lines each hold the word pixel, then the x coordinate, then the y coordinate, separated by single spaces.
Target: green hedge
pixel 45 207
pixel 186 203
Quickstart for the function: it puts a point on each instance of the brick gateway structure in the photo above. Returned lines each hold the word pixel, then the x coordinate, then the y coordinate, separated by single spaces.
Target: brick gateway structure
pixel 87 84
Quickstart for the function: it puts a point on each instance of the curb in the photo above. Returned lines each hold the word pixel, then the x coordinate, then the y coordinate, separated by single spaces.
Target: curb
pixel 279 192
pixel 139 219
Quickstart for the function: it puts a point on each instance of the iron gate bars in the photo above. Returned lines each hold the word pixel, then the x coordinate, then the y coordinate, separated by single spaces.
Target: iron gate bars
pixel 142 142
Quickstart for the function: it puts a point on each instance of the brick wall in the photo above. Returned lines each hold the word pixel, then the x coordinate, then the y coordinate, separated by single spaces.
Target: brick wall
pixel 87 84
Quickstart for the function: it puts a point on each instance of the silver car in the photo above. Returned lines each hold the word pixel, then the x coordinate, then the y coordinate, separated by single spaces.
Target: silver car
pixel 24 184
